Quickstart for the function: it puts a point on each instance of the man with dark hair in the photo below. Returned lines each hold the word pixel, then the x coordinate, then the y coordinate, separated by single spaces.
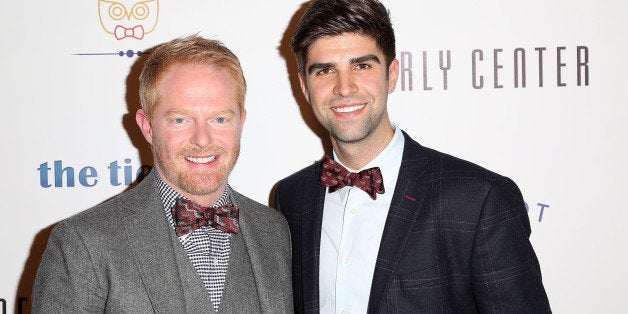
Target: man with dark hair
pixel 182 240
pixel 385 224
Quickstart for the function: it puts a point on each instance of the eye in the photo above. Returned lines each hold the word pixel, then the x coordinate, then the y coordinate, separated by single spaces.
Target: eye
pixel 362 66
pixel 221 119
pixel 179 120
pixel 324 71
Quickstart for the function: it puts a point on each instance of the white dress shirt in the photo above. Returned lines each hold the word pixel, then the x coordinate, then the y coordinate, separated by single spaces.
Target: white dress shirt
pixel 351 232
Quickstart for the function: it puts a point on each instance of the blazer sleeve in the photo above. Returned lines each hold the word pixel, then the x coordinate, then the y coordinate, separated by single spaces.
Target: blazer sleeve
pixel 506 275
pixel 66 281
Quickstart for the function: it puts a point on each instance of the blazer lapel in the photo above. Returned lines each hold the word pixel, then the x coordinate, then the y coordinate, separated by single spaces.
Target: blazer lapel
pixel 150 239
pixel 311 224
pixel 402 214
pixel 254 234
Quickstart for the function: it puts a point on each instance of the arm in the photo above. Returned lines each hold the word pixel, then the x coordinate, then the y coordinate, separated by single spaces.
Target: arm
pixel 66 281
pixel 506 275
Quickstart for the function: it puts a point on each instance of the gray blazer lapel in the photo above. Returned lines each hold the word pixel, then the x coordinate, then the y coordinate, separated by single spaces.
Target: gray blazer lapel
pixel 267 263
pixel 404 209
pixel 150 238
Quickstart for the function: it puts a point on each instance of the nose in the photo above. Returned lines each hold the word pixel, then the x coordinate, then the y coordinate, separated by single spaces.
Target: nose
pixel 201 136
pixel 345 85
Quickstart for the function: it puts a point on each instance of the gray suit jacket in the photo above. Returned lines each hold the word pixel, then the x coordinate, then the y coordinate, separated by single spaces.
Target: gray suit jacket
pixel 123 257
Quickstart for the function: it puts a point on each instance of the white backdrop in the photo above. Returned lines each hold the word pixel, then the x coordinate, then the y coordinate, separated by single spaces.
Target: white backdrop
pixel 69 142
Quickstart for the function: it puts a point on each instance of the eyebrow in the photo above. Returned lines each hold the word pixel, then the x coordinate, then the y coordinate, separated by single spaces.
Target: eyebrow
pixel 366 58
pixel 185 112
pixel 325 65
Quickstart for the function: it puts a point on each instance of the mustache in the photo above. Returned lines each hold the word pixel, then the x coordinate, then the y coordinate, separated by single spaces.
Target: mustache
pixel 207 151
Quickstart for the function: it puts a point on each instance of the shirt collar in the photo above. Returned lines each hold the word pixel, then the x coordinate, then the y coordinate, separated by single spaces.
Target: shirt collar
pixel 388 161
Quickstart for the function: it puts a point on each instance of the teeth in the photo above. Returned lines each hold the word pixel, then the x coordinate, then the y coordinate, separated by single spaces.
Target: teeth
pixel 203 160
pixel 349 108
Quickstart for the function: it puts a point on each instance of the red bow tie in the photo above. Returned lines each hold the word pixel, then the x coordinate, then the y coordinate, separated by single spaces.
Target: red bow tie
pixel 189 216
pixel 335 176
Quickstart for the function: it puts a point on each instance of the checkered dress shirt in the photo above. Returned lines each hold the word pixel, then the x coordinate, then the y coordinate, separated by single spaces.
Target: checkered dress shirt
pixel 207 248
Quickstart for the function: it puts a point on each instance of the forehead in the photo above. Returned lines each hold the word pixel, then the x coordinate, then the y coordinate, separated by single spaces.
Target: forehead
pixel 196 81
pixel 353 44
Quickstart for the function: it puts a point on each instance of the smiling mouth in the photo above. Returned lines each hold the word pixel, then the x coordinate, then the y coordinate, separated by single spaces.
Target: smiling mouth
pixel 348 109
pixel 201 160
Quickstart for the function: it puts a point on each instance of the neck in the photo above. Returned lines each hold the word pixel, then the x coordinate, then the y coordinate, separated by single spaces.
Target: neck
pixel 356 155
pixel 204 200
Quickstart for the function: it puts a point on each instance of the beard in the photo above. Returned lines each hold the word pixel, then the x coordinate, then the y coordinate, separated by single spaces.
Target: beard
pixel 171 165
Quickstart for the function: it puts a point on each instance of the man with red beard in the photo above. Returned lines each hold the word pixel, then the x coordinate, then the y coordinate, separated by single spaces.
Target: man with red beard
pixel 182 240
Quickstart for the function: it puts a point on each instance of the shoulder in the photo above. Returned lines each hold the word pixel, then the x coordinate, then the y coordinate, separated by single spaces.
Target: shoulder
pixel 455 176
pixel 107 216
pixel 256 218
pixel 436 163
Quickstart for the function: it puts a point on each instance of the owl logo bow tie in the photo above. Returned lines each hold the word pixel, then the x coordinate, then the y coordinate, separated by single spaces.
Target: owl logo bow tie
pixel 335 176
pixel 122 32
pixel 189 216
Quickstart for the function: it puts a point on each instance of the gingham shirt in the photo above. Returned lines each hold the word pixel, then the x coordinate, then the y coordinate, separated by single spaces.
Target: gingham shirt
pixel 207 248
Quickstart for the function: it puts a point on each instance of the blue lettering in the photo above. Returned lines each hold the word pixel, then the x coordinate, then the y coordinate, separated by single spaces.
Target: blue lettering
pixel 113 173
pixel 59 171
pixel 87 173
pixel 543 206
pixel 128 174
pixel 43 175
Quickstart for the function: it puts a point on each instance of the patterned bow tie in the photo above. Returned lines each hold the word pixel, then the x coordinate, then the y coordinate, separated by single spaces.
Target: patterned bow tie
pixel 335 176
pixel 189 216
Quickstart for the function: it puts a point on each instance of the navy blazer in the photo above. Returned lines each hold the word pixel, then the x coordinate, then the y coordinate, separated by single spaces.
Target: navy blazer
pixel 456 240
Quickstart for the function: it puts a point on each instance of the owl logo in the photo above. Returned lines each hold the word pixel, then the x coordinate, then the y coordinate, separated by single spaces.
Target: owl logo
pixel 128 18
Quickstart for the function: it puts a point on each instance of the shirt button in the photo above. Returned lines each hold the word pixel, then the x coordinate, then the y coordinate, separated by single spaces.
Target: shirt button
pixel 215 261
pixel 345 261
pixel 353 211
pixel 343 311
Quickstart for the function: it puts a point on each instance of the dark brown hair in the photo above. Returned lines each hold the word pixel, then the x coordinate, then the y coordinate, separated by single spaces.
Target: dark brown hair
pixel 335 17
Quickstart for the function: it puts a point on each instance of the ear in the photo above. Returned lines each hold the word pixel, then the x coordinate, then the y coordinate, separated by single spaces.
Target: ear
pixel 303 85
pixel 393 75
pixel 144 123
pixel 242 118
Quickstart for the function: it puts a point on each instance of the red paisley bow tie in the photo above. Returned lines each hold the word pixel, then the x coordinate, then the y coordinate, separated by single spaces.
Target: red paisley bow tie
pixel 335 176
pixel 189 216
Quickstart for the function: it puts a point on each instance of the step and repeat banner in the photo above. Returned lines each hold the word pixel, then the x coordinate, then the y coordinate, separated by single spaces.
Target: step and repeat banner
pixel 534 90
